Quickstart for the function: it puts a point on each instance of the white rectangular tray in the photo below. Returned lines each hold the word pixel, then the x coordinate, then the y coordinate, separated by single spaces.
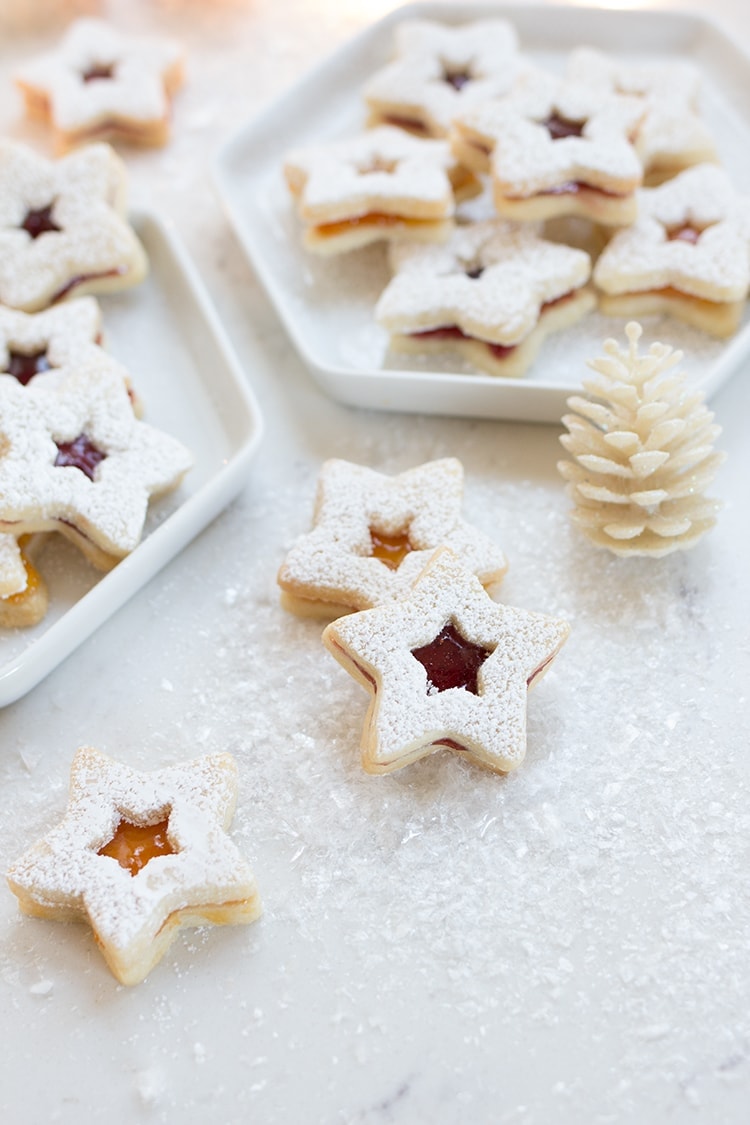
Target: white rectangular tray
pixel 327 305
pixel 166 333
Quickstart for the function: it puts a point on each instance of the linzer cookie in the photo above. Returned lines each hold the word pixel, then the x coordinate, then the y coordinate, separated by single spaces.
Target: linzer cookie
pixel 75 459
pixel 671 135
pixel 491 294
pixel 687 255
pixel 447 667
pixel 140 856
pixel 380 185
pixel 556 148
pixel 440 71
pixel 373 534
pixel 102 85
pixel 23 592
pixel 62 230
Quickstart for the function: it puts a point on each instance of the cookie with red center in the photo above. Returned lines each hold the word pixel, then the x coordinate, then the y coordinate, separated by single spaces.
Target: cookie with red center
pixel 440 71
pixel 373 534
pixel 491 294
pixel 556 148
pixel 75 459
pixel 378 186
pixel 62 227
pixel 671 135
pixel 140 856
pixel 447 667
pixel 687 255
pixel 100 84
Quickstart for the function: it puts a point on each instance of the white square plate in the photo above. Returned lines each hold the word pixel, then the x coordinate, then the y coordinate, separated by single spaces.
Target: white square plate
pixel 168 336
pixel 327 305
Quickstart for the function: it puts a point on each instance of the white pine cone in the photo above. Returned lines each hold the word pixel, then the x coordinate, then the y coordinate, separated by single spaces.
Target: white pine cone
pixel 643 453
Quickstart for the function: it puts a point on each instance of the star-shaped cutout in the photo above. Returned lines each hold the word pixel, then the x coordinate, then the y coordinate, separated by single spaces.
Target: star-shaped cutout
pixel 373 534
pixel 62 230
pixel 396 652
pixel 381 184
pixel 100 83
pixel 440 71
pixel 74 458
pixel 691 239
pixel 140 855
pixel 559 148
pixel 491 279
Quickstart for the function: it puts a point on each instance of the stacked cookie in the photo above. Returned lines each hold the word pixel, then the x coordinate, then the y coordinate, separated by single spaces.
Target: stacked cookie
pixel 462 102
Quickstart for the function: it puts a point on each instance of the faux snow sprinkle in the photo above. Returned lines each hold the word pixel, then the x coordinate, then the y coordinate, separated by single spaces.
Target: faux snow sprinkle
pixel 62 229
pixel 643 453
pixel 424 699
pixel 137 889
pixel 100 83
pixel 373 535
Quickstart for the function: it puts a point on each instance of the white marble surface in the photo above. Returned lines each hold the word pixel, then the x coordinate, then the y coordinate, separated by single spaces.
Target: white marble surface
pixel 567 945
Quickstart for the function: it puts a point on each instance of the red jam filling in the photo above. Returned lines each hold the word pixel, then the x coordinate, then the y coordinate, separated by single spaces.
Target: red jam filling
pixel 39 221
pixel 24 366
pixel 499 351
pixel 135 845
pixel 390 549
pixel 560 127
pixel 81 279
pixel 81 453
pixel 684 233
pixel 451 661
pixel 475 273
pixel 457 78
pixel 411 124
pixel 98 72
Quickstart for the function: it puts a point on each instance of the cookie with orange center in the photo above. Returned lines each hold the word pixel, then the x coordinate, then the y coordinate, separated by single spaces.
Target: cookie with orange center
pixel 687 255
pixel 100 84
pixel 556 148
pixel 140 856
pixel 378 186
pixel 447 668
pixel 23 592
pixel 491 295
pixel 440 71
pixel 75 459
pixel 671 135
pixel 62 227
pixel 372 534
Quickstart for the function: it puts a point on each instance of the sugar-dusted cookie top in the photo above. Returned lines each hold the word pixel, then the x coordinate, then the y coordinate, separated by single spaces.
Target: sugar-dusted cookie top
pixel 100 82
pixel 491 280
pixel 447 667
pixel 692 233
pixel 75 457
pixel 62 229
pixel 549 133
pixel 383 170
pixel 373 534
pixel 441 70
pixel 34 343
pixel 671 134
pixel 139 855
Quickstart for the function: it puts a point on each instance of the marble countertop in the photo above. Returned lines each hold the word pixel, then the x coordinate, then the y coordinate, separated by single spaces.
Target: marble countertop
pixel 565 945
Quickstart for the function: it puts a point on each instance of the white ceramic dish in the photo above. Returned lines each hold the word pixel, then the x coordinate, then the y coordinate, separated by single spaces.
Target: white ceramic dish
pixel 326 305
pixel 167 334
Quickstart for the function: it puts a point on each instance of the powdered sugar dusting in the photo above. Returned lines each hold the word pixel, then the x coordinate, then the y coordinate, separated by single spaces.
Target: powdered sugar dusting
pixel 13 578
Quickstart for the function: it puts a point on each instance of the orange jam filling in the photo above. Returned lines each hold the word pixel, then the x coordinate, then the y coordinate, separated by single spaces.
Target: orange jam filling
pixel 685 232
pixel 135 845
pixel 390 549
pixel 374 219
pixel 33 578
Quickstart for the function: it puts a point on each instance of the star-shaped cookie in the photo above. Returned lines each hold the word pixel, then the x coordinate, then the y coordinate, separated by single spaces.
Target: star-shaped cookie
pixel 373 534
pixel 492 293
pixel 557 148
pixel 446 667
pixel 139 856
pixel 440 71
pixel 62 230
pixel 101 84
pixel 671 135
pixel 75 459
pixel 379 185
pixel 688 254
